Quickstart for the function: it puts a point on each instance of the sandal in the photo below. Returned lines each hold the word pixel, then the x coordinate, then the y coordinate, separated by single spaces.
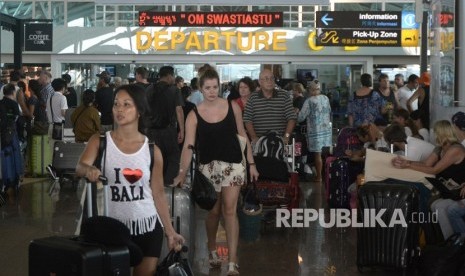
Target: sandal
pixel 214 259
pixel 232 269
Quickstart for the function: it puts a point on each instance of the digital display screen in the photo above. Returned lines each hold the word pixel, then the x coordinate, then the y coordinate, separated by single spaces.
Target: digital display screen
pixel 210 19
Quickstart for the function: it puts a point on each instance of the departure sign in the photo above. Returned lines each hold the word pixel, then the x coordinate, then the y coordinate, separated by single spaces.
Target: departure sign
pixel 211 19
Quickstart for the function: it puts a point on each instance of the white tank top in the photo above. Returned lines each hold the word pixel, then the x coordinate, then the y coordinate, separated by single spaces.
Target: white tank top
pixel 130 195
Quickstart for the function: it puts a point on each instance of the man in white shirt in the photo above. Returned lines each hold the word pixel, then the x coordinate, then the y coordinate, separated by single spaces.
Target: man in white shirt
pixel 405 92
pixel 196 96
pixel 413 148
pixel 57 104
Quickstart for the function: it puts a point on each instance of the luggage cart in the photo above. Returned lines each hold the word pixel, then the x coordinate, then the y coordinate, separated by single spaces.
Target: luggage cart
pixel 278 193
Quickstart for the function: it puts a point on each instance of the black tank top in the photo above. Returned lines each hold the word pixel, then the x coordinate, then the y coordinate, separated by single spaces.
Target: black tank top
pixel 454 171
pixel 218 141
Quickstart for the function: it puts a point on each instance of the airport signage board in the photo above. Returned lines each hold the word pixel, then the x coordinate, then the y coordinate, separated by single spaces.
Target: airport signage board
pixel 369 29
pixel 38 37
pixel 210 19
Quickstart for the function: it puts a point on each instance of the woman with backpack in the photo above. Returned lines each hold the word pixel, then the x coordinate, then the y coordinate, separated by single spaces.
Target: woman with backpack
pixel 137 196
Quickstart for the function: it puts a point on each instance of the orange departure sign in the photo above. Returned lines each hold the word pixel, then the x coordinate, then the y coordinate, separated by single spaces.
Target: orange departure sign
pixel 210 19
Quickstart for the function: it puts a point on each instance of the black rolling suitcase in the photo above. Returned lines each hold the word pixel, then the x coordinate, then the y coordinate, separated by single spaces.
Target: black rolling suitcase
pixel 395 246
pixel 65 157
pixel 74 256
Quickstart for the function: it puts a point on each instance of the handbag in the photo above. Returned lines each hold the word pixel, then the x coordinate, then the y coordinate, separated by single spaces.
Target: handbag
pixel 251 202
pixel 57 132
pixel 40 128
pixel 174 264
pixel 203 192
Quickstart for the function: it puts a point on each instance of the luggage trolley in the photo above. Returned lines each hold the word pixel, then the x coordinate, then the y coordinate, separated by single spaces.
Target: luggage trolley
pixel 276 192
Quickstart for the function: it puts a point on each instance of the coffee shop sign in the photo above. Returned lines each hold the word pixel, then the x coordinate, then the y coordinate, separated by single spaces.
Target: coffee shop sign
pixel 39 38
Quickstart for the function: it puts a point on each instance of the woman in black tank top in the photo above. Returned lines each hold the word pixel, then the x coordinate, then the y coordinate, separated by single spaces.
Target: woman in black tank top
pixel 213 128
pixel 447 156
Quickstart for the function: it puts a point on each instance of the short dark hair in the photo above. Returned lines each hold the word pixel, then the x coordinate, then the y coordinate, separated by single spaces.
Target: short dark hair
pixel 394 133
pixel 35 87
pixel 142 71
pixel 366 80
pixel 166 71
pixel 402 113
pixel 16 75
pixel 66 77
pixel 195 83
pixel 179 79
pixel 247 81
pixel 383 76
pixel 59 84
pixel 413 78
pixel 88 96
pixel 9 89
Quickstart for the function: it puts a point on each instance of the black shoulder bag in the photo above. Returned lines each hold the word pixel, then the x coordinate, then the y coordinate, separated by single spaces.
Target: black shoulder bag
pixel 203 192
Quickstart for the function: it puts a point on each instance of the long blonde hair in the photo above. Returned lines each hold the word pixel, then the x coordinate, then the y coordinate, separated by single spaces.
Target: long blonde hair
pixel 444 133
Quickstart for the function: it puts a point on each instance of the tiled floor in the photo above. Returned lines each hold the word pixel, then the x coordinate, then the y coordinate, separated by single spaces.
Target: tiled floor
pixel 307 251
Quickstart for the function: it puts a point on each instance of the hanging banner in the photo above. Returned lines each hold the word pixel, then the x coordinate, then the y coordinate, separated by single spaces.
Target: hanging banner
pixel 38 37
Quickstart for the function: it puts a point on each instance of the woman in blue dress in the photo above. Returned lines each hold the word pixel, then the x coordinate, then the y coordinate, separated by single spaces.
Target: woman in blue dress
pixel 317 111
pixel 366 106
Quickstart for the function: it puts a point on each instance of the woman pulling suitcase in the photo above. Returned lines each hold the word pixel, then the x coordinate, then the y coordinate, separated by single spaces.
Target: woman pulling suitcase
pixel 137 195
pixel 216 123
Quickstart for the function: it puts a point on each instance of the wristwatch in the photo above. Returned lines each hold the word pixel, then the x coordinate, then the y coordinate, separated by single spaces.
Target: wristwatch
pixel 287 135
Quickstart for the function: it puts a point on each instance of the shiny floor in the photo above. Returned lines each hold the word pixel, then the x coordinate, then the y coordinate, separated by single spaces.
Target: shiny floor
pixel 313 250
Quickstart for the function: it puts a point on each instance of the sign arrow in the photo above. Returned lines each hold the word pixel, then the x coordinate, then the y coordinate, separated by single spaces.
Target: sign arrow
pixel 325 19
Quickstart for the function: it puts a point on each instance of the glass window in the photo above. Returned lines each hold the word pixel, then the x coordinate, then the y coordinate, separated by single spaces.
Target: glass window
pixel 400 6
pixel 58 13
pixel 271 8
pixel 82 14
pixel 230 8
pixel 358 6
pixel 190 8
pixel 21 10
pixel 205 8
pixel 150 8
pixel 125 8
pixel 308 8
pixel 109 8
pixel 41 9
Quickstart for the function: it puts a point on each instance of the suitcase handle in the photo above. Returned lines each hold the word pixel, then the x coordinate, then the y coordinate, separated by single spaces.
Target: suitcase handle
pixel 105 194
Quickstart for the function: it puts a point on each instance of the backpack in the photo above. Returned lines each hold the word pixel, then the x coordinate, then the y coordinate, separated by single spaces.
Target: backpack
pixel 270 145
pixel 161 98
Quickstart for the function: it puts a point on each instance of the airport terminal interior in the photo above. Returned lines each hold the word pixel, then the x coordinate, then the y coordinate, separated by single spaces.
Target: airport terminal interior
pixel 39 211
pixel 85 38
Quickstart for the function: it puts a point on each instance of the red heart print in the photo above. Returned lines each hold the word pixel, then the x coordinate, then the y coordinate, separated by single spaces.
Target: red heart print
pixel 132 175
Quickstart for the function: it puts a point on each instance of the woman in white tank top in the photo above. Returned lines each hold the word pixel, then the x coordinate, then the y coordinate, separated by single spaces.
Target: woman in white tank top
pixel 136 195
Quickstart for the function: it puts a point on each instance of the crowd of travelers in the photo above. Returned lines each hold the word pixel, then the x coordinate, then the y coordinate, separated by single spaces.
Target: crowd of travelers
pixel 176 115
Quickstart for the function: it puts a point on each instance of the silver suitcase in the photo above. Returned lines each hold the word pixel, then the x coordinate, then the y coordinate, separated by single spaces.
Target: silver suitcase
pixel 182 213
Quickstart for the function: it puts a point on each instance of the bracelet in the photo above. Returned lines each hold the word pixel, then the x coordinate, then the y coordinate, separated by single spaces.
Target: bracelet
pixel 252 164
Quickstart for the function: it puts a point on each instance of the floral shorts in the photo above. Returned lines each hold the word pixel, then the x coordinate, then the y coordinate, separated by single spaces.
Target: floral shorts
pixel 224 174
